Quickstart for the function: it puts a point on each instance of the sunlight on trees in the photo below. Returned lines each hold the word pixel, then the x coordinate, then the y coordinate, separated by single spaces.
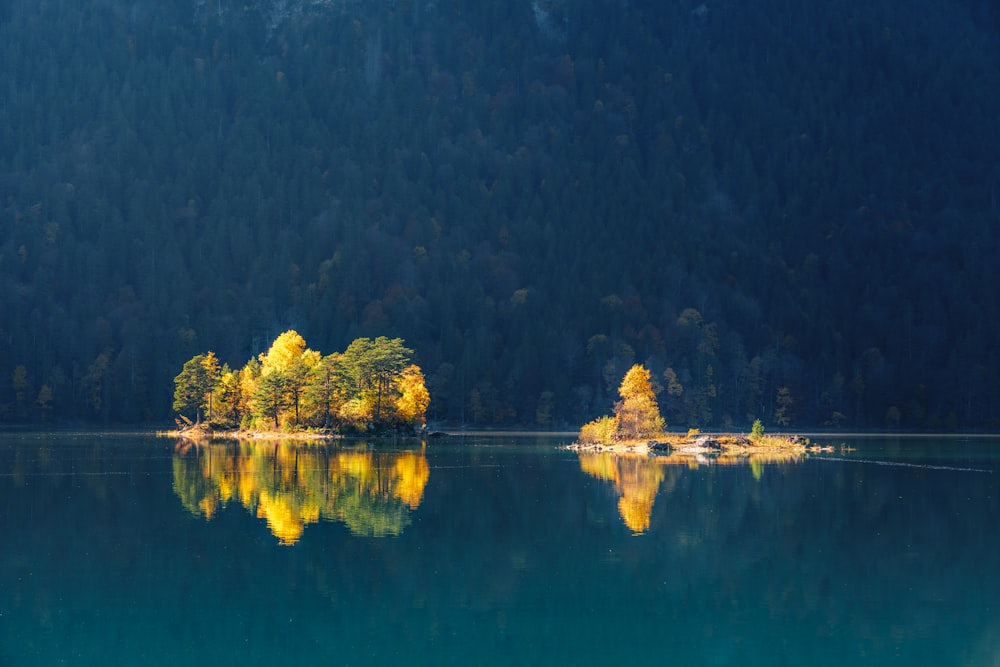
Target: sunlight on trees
pixel 212 375
pixel 375 365
pixel 271 396
pixel 637 412
pixel 326 390
pixel 191 387
pixel 411 406
pixel 285 349
pixel 228 405
pixel 600 430
pixel 637 415
pixel 372 385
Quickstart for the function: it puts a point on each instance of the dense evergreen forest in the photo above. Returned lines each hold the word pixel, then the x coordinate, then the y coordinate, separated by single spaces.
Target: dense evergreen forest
pixel 783 209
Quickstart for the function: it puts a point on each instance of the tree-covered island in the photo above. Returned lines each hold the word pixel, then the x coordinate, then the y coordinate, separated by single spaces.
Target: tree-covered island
pixel 373 386
pixel 637 426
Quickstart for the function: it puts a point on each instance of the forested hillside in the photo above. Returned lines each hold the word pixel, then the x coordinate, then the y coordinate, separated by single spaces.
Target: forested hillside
pixel 784 210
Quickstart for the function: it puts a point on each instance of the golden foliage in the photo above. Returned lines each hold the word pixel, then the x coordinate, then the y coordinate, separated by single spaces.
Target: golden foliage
pixel 638 414
pixel 601 466
pixel 411 406
pixel 636 385
pixel 285 517
pixel 636 512
pixel 358 411
pixel 284 350
pixel 290 485
pixel 599 431
pixel 637 480
pixel 412 471
pixel 290 386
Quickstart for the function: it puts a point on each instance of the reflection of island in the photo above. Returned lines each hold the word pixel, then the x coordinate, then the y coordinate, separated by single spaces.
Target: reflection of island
pixel 637 477
pixel 291 485
pixel 637 480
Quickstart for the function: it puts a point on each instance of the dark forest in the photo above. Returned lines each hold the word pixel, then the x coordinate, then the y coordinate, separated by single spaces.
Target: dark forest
pixel 784 210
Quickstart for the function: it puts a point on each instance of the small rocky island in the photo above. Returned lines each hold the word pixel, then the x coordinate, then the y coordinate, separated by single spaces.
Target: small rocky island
pixel 696 443
pixel 638 428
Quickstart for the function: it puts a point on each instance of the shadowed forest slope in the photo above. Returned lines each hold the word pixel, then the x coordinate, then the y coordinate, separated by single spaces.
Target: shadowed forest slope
pixel 784 210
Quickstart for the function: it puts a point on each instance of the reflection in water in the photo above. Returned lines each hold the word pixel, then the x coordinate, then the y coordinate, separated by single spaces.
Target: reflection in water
pixel 291 485
pixel 889 559
pixel 637 477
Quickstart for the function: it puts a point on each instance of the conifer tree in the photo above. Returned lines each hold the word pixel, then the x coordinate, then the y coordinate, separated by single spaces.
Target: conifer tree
pixel 326 389
pixel 191 387
pixel 270 397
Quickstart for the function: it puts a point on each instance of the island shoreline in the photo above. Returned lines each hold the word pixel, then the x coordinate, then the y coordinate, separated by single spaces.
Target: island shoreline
pixel 700 444
pixel 205 434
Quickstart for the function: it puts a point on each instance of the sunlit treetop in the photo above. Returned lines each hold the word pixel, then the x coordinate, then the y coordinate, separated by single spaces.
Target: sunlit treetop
pixel 636 386
pixel 285 349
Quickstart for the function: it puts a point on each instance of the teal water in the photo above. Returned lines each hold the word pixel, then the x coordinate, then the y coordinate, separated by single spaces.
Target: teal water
pixel 125 549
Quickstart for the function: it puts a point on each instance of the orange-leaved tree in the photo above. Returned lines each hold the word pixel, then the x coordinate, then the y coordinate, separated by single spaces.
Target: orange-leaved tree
pixel 637 412
pixel 637 415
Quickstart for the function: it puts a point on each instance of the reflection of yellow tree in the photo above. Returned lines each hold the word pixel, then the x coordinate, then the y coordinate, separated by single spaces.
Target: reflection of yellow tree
pixel 291 485
pixel 639 483
pixel 376 491
pixel 413 473
pixel 637 480
pixel 637 477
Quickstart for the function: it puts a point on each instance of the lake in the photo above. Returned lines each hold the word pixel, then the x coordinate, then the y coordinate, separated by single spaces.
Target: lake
pixel 126 549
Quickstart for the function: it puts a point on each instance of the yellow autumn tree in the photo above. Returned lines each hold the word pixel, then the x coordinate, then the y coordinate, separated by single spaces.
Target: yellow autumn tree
pixel 227 402
pixel 284 373
pixel 637 415
pixel 411 406
pixel 637 412
pixel 248 377
pixel 285 349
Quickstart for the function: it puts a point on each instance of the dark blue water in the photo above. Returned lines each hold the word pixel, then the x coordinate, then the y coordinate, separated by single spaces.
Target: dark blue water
pixel 125 549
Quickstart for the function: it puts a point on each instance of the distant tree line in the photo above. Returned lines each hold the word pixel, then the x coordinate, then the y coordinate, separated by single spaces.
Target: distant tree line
pixel 784 211
pixel 370 386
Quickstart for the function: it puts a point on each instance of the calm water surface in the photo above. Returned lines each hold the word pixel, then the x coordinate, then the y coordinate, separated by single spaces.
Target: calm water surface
pixel 127 549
